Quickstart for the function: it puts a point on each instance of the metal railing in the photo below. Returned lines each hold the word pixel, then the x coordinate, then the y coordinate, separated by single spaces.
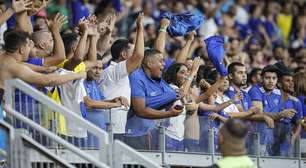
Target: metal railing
pixel 42 119
pixel 115 154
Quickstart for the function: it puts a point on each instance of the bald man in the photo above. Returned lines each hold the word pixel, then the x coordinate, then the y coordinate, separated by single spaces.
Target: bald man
pixel 232 146
pixel 49 44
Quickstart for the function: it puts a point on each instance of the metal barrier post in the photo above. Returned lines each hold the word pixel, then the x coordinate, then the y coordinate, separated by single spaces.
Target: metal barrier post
pixel 162 142
pixel 211 143
pixel 257 141
pixel 110 148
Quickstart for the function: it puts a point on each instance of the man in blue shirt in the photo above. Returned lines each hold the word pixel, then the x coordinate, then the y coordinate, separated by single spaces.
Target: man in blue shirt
pixel 238 78
pixel 287 130
pixel 96 104
pixel 150 94
pixel 267 98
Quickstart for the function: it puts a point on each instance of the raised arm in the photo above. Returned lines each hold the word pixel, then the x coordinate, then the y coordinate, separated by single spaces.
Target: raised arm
pixel 81 47
pixel 186 85
pixel 183 55
pixel 17 7
pixel 59 54
pixel 105 29
pixel 92 53
pixel 160 41
pixel 136 59
pixel 210 91
pixel 23 21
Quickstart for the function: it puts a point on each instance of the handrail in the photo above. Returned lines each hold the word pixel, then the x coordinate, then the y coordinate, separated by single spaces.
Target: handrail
pixel 121 148
pixel 105 155
pixel 10 137
pixel 11 84
pixel 44 150
pixel 54 137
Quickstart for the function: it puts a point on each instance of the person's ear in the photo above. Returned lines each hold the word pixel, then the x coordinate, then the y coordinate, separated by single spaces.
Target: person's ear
pixel 149 64
pixel 279 84
pixel 124 55
pixel 21 50
pixel 41 45
pixel 230 76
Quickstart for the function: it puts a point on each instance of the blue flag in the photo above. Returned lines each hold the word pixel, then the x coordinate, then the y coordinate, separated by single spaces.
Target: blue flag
pixel 215 51
pixel 117 5
pixel 181 24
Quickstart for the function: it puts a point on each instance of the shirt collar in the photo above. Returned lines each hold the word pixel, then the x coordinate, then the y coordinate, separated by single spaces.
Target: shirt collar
pixel 150 79
pixel 113 63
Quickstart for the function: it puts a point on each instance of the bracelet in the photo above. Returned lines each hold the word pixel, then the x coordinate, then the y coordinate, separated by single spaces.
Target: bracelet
pixel 163 29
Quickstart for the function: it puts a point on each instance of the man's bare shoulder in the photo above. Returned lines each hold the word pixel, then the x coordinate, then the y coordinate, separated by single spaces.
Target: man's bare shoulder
pixel 10 65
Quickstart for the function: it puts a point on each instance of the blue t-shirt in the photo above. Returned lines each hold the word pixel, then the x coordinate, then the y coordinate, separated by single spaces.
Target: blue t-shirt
pixel 292 103
pixel 157 95
pixel 303 101
pixel 246 102
pixel 95 116
pixel 271 103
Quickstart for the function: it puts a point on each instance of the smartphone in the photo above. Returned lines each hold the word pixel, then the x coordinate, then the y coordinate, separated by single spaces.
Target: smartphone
pixel 178 107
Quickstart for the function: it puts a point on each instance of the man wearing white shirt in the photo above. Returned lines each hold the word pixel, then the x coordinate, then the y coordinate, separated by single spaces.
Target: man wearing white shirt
pixel 114 80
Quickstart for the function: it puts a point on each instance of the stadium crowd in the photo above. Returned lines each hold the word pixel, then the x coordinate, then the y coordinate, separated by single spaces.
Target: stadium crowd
pixel 187 65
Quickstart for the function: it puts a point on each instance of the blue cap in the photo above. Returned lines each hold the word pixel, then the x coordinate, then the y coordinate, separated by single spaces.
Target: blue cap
pixel 215 51
pixel 181 24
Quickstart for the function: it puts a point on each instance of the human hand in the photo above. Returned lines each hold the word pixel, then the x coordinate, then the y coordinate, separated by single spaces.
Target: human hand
pixel 37 6
pixel 213 116
pixel 164 23
pixel 269 121
pixel 195 66
pixel 191 35
pixel 254 110
pixel 175 110
pixel 192 106
pixel 21 5
pixel 83 26
pixel 204 85
pixel 139 21
pixel 124 101
pixel 57 22
pixel 288 113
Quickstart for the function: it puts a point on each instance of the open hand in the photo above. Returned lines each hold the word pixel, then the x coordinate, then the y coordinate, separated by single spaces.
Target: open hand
pixel 21 5
pixel 57 22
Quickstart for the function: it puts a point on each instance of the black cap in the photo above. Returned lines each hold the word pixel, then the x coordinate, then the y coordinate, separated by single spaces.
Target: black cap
pixel 282 69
